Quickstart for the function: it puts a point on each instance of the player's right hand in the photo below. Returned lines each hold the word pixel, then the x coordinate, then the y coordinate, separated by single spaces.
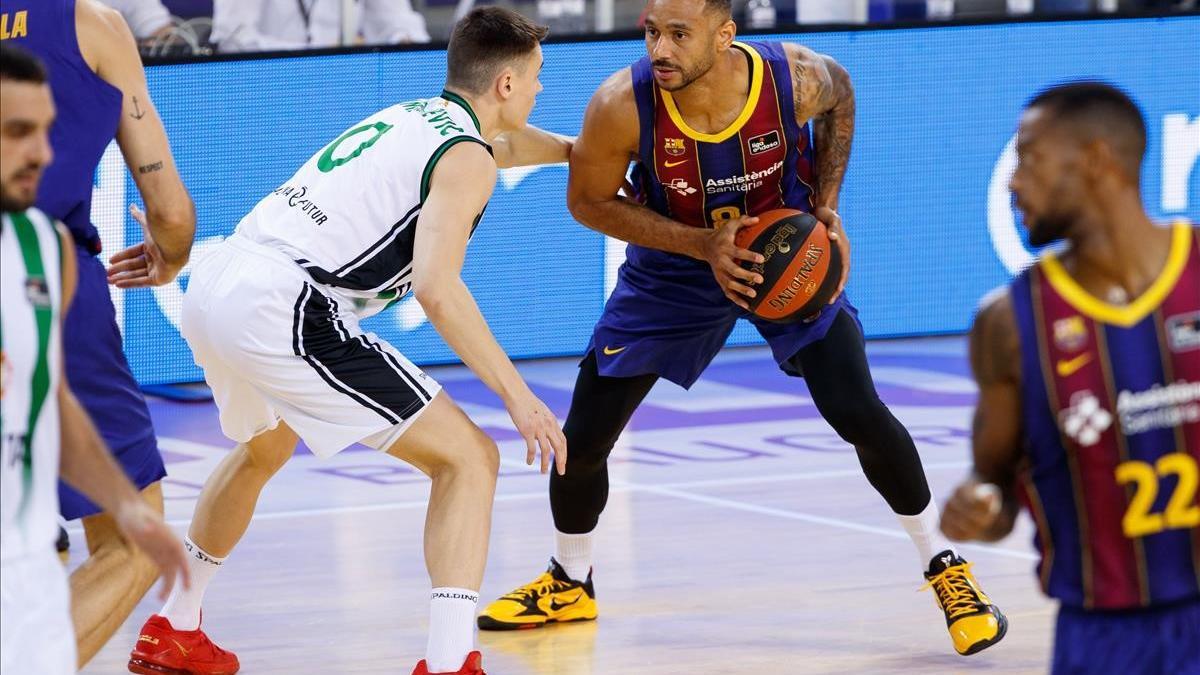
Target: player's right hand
pixel 723 255
pixel 145 527
pixel 540 428
pixel 972 510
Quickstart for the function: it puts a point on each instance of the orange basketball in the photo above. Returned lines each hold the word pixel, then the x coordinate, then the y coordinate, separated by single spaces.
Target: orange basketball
pixel 802 266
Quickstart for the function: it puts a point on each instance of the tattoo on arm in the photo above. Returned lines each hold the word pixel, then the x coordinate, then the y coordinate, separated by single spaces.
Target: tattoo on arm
pixel 150 168
pixel 137 113
pixel 823 92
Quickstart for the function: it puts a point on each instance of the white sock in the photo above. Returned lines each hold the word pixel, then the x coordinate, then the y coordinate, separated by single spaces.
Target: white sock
pixel 183 606
pixel 926 534
pixel 574 553
pixel 451 628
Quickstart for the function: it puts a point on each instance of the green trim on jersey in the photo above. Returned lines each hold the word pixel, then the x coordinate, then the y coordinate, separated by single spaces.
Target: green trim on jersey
pixel 455 98
pixel 31 252
pixel 427 174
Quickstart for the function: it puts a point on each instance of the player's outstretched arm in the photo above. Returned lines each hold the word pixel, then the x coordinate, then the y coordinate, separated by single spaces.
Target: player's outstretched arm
pixel 88 466
pixel 984 506
pixel 599 162
pixel 530 146
pixel 460 186
pixel 170 222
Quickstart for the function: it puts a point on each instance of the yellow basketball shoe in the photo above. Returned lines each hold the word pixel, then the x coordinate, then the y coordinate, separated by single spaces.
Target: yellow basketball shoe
pixel 973 621
pixel 553 597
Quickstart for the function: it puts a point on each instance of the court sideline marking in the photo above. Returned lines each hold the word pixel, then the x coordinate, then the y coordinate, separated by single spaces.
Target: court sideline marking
pixel 676 490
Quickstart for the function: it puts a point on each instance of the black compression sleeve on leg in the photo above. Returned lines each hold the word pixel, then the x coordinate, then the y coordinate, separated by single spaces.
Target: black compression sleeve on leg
pixel 840 383
pixel 600 408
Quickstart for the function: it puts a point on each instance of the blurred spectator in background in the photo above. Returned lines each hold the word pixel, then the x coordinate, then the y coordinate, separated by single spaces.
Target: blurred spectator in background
pixel 267 25
pixel 148 19
pixel 830 11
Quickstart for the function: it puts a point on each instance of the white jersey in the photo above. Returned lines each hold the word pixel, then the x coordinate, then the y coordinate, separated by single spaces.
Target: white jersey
pixel 349 215
pixel 30 367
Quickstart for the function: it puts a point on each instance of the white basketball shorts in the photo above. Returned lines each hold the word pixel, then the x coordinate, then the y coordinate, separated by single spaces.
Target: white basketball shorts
pixel 275 345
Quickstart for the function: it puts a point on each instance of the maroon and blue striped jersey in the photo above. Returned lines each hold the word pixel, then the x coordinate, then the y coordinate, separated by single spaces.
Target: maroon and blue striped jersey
pixel 1111 415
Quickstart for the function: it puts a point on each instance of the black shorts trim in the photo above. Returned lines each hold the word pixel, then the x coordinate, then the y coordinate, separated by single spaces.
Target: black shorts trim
pixel 351 365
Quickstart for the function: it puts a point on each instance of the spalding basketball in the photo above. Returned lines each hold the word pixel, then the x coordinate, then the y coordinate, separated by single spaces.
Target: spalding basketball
pixel 802 267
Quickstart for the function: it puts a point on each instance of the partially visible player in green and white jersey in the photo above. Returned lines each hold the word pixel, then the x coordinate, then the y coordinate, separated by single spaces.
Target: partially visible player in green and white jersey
pixel 44 433
pixel 31 293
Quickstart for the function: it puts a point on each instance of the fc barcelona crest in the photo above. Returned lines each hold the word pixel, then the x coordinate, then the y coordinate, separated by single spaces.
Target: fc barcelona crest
pixel 1070 334
pixel 674 146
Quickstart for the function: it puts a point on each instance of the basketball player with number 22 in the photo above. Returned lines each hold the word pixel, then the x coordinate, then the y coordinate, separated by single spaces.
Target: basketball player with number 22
pixel 720 132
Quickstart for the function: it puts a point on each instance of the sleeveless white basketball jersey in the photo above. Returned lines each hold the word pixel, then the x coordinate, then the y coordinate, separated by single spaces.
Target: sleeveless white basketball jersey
pixel 349 215
pixel 30 367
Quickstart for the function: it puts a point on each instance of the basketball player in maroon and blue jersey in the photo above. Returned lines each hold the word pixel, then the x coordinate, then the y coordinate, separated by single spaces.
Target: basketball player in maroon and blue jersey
pixel 720 131
pixel 1089 409
pixel 99 91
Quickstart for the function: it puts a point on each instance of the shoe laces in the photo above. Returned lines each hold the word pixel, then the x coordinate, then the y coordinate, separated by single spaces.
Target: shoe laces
pixel 955 590
pixel 543 585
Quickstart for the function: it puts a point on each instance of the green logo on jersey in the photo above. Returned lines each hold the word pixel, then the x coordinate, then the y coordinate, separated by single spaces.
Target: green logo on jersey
pixel 436 116
pixel 327 163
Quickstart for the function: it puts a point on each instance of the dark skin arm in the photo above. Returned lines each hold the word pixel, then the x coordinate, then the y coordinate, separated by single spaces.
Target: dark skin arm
pixel 599 161
pixel 823 93
pixel 980 514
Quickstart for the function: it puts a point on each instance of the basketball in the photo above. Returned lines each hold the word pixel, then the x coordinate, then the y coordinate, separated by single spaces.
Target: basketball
pixel 802 266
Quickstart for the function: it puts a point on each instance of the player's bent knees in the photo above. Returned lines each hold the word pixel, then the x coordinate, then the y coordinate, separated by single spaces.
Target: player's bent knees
pixel 854 419
pixel 477 455
pixel 459 450
pixel 589 449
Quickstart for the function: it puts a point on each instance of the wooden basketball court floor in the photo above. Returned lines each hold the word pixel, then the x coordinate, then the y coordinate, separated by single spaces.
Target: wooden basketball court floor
pixel 740 537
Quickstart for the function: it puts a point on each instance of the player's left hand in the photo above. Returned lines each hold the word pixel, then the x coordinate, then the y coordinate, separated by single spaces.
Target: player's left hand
pixel 140 265
pixel 971 511
pixel 833 223
pixel 144 527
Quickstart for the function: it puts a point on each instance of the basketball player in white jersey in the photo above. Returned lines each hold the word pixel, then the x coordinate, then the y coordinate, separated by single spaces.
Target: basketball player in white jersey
pixel 44 433
pixel 273 318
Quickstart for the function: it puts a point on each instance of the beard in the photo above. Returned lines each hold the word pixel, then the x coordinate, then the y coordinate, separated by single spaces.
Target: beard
pixel 10 203
pixel 1048 229
pixel 687 76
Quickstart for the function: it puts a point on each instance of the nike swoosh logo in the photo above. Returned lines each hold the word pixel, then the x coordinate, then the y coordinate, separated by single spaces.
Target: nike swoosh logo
pixel 671 164
pixel 555 606
pixel 181 649
pixel 1070 367
pixel 609 351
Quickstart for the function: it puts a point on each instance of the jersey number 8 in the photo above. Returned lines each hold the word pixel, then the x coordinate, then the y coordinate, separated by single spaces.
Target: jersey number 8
pixel 720 216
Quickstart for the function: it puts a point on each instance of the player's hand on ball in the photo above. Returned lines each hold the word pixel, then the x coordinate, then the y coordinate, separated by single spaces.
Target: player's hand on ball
pixel 540 429
pixel 723 255
pixel 971 511
pixel 833 224
pixel 144 527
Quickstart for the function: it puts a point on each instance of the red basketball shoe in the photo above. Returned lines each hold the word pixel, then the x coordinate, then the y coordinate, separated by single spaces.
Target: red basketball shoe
pixel 162 650
pixel 472 666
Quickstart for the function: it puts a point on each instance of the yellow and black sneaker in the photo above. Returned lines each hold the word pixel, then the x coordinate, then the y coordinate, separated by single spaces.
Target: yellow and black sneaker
pixel 974 622
pixel 551 598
